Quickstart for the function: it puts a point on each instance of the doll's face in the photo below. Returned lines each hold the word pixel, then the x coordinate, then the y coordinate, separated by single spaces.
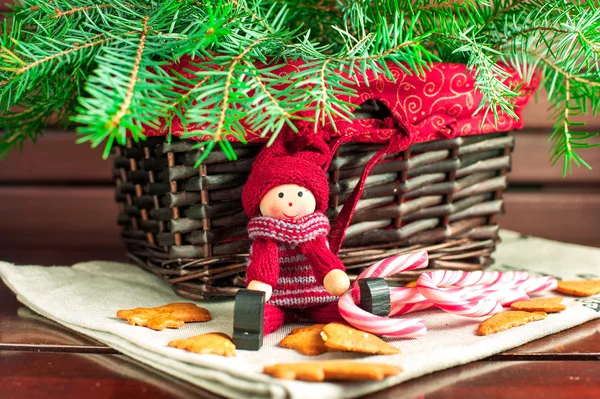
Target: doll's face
pixel 288 202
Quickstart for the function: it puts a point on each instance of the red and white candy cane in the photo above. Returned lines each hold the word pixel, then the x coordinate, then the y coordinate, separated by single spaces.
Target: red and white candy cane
pixel 479 293
pixel 395 264
pixel 431 285
pixel 392 327
pixel 407 298
pixel 472 294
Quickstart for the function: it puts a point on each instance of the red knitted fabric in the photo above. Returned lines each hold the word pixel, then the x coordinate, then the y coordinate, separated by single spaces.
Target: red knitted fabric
pixel 289 160
pixel 292 257
pixel 324 314
pixel 276 317
pixel 273 318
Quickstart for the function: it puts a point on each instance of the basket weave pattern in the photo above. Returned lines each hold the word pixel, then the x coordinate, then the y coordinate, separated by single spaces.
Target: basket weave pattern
pixel 187 224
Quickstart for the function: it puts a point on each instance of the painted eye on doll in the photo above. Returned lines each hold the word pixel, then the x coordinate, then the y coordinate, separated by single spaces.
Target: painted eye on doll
pixel 300 193
pixel 280 195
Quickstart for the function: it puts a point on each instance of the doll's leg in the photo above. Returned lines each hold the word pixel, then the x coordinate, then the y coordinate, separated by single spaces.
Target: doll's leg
pixel 274 318
pixel 324 314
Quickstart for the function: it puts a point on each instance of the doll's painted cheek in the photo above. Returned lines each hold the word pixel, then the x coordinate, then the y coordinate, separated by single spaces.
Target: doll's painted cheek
pixel 274 210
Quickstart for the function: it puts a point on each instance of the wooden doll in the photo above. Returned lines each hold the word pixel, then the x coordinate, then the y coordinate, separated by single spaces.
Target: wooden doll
pixel 285 197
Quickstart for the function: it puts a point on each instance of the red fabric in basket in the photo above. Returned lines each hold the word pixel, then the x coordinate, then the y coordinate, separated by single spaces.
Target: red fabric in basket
pixel 438 104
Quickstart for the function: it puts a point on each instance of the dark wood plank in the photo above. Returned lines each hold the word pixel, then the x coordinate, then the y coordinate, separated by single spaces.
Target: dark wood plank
pixel 515 380
pixel 27 375
pixel 60 254
pixel 58 216
pixel 577 343
pixel 531 165
pixel 22 329
pixel 56 158
pixel 538 114
pixel 32 375
pixel 567 215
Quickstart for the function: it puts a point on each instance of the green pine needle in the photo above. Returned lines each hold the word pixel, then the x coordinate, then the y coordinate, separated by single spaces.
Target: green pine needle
pixel 105 65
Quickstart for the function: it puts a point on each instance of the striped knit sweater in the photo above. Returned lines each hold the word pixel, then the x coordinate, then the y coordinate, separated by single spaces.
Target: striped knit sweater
pixel 292 257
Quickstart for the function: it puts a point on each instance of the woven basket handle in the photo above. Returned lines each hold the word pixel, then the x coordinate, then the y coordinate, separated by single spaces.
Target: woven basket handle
pixel 338 230
pixel 397 143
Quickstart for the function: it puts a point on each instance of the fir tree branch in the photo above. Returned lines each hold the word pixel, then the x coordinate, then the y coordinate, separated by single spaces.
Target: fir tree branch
pixel 226 93
pixel 188 93
pixel 253 15
pixel 444 4
pixel 122 84
pixel 52 57
pixel 270 96
pixel 68 13
pixel 75 10
pixel 499 12
pixel 116 120
pixel 323 102
pixel 565 140
pixel 556 68
pixel 318 7
pixel 527 31
pixel 376 57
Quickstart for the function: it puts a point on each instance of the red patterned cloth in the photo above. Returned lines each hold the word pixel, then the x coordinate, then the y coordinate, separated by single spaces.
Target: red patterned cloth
pixel 438 104
pixel 293 258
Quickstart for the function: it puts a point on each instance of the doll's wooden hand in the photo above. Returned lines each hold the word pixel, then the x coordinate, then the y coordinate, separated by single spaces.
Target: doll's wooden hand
pixel 336 282
pixel 260 286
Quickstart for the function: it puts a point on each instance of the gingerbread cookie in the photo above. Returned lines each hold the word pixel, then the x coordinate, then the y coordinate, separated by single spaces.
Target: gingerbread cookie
pixel 507 320
pixel 579 287
pixel 211 343
pixel 334 370
pixel 342 337
pixel 173 315
pixel 548 305
pixel 306 340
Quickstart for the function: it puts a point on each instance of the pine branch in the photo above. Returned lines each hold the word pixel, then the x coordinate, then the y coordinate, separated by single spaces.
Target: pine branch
pixel 52 53
pixel 116 120
pixel 59 13
pixel 227 92
pixel 444 4
pixel 26 67
pixel 322 104
pixel 528 31
pixel 377 57
pixel 263 87
pixel 568 77
pixel 566 141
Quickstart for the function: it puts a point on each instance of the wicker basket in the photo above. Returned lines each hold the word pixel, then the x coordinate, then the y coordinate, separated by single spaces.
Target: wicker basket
pixel 187 224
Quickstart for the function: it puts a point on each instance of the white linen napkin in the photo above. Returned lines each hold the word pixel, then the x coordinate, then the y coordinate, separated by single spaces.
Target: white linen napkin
pixel 86 297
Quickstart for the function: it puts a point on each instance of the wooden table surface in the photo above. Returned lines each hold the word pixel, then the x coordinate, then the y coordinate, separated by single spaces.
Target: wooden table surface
pixel 39 358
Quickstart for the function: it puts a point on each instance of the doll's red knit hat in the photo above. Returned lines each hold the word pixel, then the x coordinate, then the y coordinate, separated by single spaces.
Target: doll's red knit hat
pixel 291 159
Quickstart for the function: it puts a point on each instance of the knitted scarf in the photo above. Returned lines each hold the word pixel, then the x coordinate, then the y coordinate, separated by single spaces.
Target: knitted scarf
pixel 296 232
pixel 308 233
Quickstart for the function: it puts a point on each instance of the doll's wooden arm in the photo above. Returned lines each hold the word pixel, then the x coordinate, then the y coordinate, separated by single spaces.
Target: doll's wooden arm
pixel 336 282
pixel 327 267
pixel 256 285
